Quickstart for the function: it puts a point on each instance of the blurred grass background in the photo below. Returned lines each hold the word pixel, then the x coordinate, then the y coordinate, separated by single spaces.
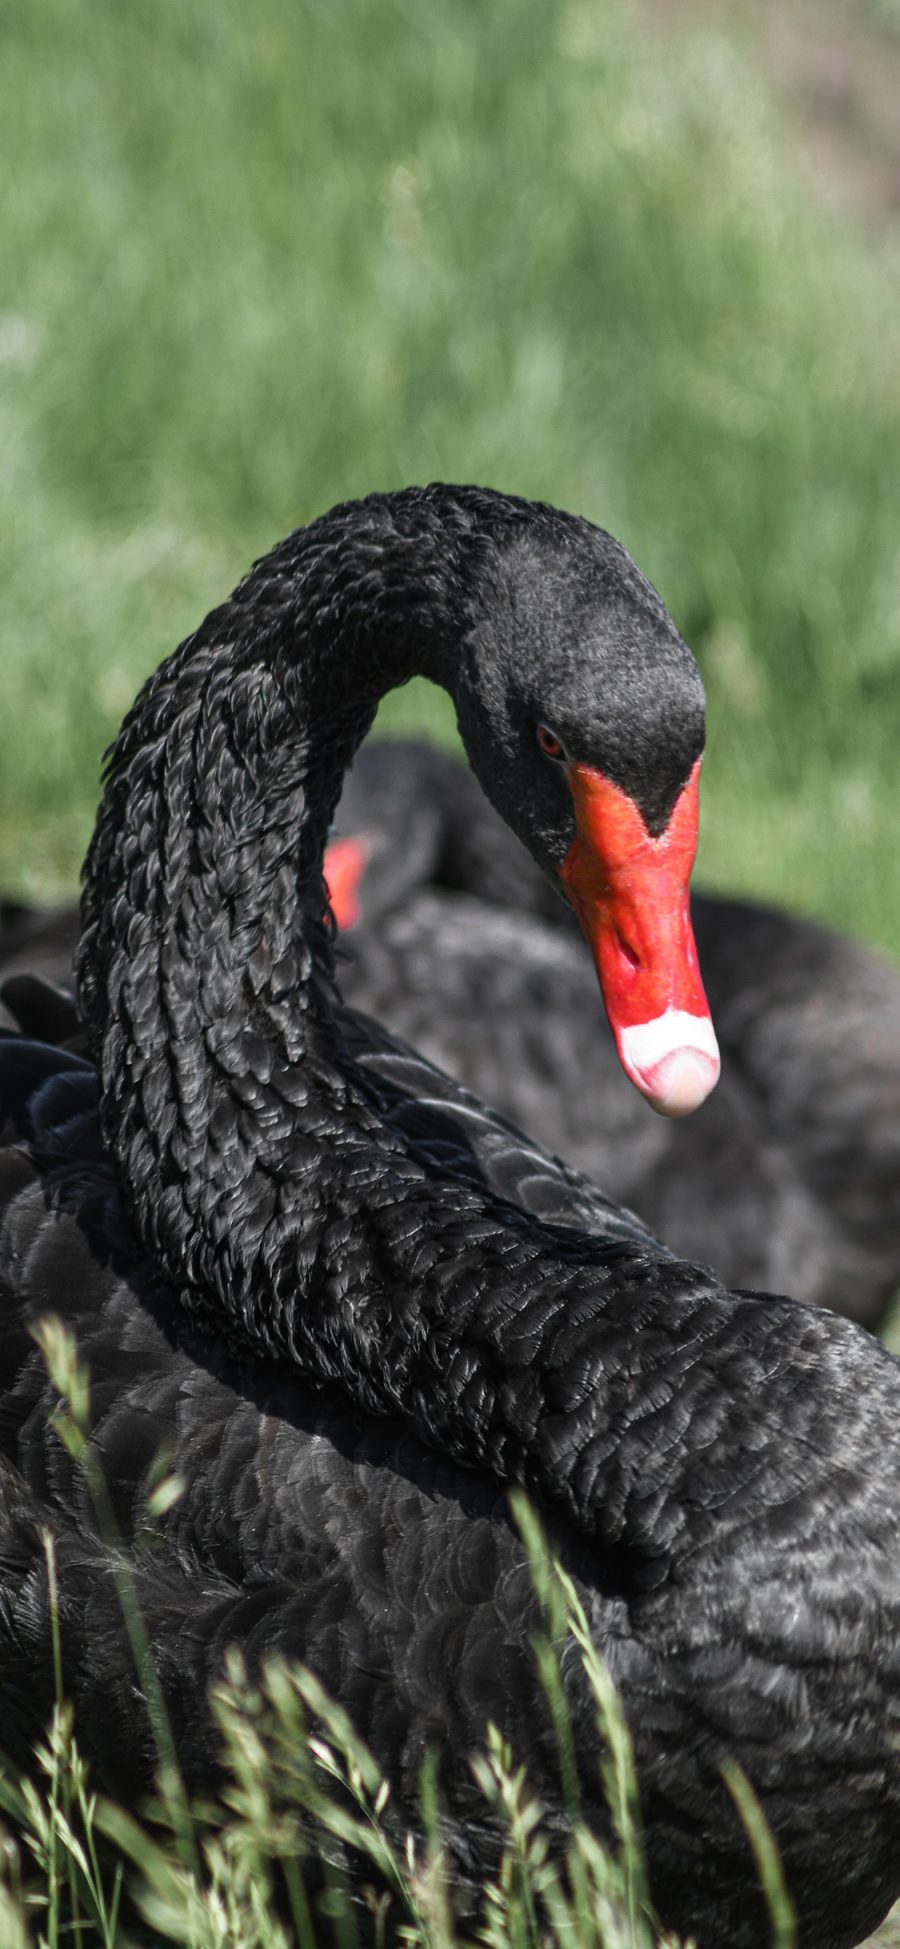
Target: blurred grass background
pixel 259 260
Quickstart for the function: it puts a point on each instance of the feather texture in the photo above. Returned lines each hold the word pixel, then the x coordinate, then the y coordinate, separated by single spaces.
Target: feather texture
pixel 352 1304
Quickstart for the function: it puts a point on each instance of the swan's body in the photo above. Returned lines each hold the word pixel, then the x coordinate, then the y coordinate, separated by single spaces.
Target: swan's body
pixel 722 1471
pixel 309 1530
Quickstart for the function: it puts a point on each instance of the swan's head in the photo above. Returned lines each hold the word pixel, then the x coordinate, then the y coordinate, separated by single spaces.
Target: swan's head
pixel 582 712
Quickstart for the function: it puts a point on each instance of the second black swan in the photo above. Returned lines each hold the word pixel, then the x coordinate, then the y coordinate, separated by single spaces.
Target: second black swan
pixel 338 1290
pixel 788 1176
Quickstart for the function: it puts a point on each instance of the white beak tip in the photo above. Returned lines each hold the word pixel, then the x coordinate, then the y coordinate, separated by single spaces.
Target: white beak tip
pixel 673 1061
pixel 680 1083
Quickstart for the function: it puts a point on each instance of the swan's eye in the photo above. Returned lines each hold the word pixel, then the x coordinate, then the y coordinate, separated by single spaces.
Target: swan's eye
pixel 551 745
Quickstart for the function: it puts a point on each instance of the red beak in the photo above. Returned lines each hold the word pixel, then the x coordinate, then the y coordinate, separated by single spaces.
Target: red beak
pixel 343 867
pixel 630 892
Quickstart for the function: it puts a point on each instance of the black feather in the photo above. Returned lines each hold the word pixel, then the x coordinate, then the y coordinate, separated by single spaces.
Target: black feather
pixel 408 1324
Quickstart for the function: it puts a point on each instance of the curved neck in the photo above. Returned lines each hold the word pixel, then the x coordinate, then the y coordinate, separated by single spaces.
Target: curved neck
pixel 205 964
pixel 223 779
pixel 263 1169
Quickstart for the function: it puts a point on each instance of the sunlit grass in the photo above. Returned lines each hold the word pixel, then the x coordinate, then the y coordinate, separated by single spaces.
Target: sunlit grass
pixel 260 261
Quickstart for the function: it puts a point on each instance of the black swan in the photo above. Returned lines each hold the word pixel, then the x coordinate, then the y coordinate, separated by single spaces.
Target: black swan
pixel 337 1289
pixel 788 1177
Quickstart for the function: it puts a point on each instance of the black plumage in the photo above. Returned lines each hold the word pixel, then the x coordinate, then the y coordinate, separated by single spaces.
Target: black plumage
pixel 787 1177
pixel 37 950
pixel 353 1303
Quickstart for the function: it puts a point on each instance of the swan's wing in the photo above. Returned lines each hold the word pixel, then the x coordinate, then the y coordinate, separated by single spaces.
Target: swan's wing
pixel 449 1127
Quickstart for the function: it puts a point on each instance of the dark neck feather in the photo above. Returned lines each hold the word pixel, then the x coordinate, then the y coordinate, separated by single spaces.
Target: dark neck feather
pixel 205 966
pixel 258 1170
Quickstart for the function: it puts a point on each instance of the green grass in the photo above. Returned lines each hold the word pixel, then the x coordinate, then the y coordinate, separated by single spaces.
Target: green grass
pixel 259 260
pixel 302 1796
pixel 884 13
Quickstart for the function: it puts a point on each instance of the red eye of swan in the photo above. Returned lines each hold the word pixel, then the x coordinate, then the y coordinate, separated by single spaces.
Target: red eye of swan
pixel 551 745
